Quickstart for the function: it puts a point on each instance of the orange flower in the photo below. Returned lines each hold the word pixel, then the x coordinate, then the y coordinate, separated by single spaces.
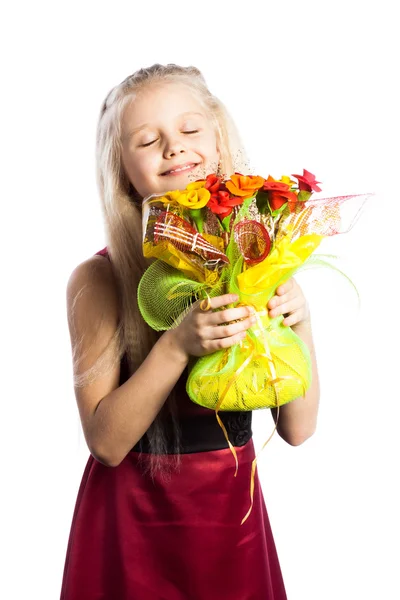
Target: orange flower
pixel 244 185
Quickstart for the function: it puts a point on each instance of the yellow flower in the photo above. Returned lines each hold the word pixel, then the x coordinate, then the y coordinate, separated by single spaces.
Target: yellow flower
pixel 287 180
pixel 195 198
pixel 196 185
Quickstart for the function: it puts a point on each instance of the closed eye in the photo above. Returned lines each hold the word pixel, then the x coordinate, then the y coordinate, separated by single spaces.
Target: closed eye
pixel 153 141
pixel 148 144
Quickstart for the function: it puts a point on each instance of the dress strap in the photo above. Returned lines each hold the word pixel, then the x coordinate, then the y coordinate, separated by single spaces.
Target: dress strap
pixel 103 252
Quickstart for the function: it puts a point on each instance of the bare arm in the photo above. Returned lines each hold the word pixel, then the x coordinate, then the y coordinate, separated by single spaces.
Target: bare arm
pixel 298 419
pixel 115 417
pixel 124 414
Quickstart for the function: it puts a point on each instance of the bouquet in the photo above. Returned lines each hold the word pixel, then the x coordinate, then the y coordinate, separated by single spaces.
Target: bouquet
pixel 244 235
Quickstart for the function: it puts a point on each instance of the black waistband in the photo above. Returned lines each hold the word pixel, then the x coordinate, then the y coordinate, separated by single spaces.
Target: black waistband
pixel 203 433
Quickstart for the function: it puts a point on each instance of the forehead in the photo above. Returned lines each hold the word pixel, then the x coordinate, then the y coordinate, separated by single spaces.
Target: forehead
pixel 160 103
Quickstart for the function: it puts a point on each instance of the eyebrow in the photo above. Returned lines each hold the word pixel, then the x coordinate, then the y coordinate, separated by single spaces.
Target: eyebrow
pixel 137 129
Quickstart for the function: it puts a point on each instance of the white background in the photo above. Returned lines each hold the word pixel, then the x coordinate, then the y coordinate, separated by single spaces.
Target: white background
pixel 310 84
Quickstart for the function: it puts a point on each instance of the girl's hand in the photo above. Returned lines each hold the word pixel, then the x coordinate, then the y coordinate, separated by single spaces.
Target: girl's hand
pixel 289 301
pixel 203 332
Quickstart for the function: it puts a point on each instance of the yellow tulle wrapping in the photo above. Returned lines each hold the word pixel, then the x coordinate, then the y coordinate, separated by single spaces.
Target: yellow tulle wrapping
pixel 272 365
pixel 183 262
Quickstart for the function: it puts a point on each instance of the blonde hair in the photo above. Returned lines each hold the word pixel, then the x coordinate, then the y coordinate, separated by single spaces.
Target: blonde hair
pixel 122 216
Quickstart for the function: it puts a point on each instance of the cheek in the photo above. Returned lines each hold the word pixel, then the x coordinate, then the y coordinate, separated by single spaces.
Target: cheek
pixel 207 148
pixel 143 175
pixel 138 167
pixel 212 145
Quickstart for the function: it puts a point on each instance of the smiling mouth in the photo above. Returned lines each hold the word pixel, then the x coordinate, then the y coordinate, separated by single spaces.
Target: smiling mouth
pixel 178 170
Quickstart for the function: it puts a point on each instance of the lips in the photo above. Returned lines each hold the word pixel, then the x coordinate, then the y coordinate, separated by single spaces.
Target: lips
pixel 178 169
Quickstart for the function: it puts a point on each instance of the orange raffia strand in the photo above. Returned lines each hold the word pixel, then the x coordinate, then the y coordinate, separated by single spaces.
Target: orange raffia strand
pixel 253 468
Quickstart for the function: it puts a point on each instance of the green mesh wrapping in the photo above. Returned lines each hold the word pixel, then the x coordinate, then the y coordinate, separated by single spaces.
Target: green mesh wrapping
pixel 165 295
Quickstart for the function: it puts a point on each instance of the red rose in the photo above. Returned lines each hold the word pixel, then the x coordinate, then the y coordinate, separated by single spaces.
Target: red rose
pixel 307 182
pixel 221 203
pixel 213 183
pixel 278 193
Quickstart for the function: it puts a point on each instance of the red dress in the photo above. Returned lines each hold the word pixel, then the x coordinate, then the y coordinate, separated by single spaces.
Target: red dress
pixel 176 538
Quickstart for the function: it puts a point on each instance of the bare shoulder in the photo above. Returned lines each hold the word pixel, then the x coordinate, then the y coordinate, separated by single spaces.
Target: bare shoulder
pixel 93 317
pixel 94 273
pixel 92 297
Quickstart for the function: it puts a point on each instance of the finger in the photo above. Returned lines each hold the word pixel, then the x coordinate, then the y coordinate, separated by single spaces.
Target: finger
pixel 219 301
pixel 284 297
pixel 285 287
pixel 225 331
pixel 278 300
pixel 292 319
pixel 225 342
pixel 286 307
pixel 230 314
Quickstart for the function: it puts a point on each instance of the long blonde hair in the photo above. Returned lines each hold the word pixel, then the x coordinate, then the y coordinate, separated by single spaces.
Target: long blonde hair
pixel 122 216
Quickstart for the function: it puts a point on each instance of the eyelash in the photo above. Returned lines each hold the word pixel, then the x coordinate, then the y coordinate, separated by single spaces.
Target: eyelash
pixel 150 143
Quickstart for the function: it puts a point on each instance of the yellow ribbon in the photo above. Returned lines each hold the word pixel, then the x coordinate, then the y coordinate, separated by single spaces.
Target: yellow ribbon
pixel 274 380
pixel 220 401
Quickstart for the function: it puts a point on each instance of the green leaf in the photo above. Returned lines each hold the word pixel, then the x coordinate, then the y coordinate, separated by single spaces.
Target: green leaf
pixel 262 202
pixel 226 222
pixel 278 211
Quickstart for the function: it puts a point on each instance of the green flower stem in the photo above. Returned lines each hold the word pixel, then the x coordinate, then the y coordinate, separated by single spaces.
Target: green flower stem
pixel 303 195
pixel 197 215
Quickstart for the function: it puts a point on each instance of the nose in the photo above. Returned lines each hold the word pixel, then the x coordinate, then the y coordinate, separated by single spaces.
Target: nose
pixel 173 147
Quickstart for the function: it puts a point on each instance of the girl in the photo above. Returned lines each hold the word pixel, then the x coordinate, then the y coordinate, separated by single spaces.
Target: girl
pixel 158 510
